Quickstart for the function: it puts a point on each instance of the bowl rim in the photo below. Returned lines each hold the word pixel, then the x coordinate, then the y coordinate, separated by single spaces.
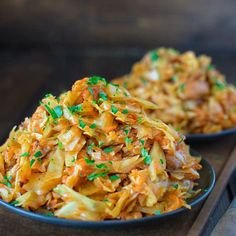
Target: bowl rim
pixel 202 136
pixel 112 223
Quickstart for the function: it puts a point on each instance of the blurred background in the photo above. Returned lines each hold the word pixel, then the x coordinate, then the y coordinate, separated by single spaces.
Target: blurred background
pixel 47 45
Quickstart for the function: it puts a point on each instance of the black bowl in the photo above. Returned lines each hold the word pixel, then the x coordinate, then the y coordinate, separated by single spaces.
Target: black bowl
pixel 192 138
pixel 205 183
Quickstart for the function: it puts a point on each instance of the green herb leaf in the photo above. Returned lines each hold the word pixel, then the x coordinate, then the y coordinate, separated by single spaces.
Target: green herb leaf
pixel 48 95
pixel 38 154
pixel 140 120
pixel 93 176
pixel 125 111
pixel 94 80
pixel 13 203
pixel 103 95
pixel 90 90
pixel 58 110
pixel 50 214
pixel 93 126
pixel 162 161
pixel 154 56
pixel 25 154
pixel 82 124
pixel 50 111
pixel 125 84
pixel 147 158
pixel 175 186
pixel 60 145
pixel 114 110
pixel 76 108
pixel 101 166
pixel 108 149
pixel 126 131
pixel 114 177
pixel 211 67
pixel 182 87
pixel 32 161
pixel 219 85
pixel 90 147
pixel 100 144
pixel 88 161
pixel 128 140
pixel 157 212
pixel 174 78
pixel 142 141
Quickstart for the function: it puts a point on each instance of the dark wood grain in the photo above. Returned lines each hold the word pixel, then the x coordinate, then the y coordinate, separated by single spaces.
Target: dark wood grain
pixel 124 23
pixel 209 206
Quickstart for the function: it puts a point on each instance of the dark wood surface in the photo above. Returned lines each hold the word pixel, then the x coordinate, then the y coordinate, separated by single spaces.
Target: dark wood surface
pixel 26 76
pixel 124 23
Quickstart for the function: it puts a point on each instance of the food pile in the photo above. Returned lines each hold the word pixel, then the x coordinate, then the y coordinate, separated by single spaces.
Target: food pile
pixel 191 93
pixel 94 154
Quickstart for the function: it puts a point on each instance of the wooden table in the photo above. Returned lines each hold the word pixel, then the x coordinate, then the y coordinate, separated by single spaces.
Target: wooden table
pixel 26 76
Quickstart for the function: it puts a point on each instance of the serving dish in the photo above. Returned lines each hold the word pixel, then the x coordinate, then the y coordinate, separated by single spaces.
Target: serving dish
pixel 191 138
pixel 205 183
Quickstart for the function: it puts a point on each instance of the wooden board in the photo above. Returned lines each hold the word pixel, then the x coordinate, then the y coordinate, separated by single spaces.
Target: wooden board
pixel 27 76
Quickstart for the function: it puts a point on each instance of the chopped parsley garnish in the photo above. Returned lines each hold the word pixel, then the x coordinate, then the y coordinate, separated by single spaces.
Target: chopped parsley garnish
pixel 73 159
pixel 58 110
pixel 60 145
pixel 211 67
pixel 103 95
pixel 114 110
pixel 25 154
pixel 93 126
pixel 93 176
pixel 55 113
pixel 126 94
pixel 140 120
pixel 161 161
pixel 114 177
pixel 108 149
pixel 49 214
pixel 90 90
pixel 154 56
pixel 147 158
pixel 157 212
pixel 143 80
pixel 125 111
pixel 142 141
pixel 7 181
pixel 88 161
pixel 125 84
pixel 32 161
pixel 101 166
pixel 38 154
pixel 182 87
pixel 175 186
pixel 50 111
pixel 82 124
pixel 126 131
pixel 94 80
pixel 174 78
pixel 105 200
pixel 100 144
pixel 90 147
pixel 219 85
pixel 76 108
pixel 128 140
pixel 16 202
pixel 48 95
